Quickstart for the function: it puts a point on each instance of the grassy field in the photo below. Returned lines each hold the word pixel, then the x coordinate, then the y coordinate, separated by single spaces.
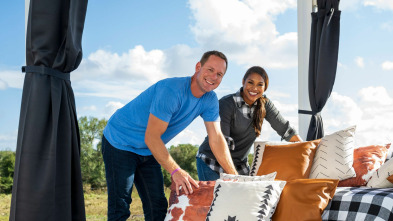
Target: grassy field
pixel 95 204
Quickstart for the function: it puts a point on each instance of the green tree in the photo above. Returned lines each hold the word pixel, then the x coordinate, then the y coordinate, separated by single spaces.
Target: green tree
pixel 184 155
pixel 7 163
pixel 92 164
pixel 250 158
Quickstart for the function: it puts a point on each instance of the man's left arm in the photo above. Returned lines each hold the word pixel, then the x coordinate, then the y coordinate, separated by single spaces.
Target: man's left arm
pixel 219 147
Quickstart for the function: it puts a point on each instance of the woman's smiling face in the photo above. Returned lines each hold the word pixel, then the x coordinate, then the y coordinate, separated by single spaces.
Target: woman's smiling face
pixel 253 88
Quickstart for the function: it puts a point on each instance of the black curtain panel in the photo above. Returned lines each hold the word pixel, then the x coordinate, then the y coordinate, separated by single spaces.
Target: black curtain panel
pixel 324 44
pixel 47 178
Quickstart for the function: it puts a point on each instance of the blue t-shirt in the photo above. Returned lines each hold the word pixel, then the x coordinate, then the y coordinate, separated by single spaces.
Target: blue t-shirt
pixel 170 100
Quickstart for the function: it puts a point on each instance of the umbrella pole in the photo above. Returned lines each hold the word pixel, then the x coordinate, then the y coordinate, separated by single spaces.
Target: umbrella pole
pixel 304 9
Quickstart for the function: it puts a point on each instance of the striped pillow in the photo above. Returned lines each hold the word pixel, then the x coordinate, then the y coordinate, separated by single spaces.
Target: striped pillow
pixel 334 156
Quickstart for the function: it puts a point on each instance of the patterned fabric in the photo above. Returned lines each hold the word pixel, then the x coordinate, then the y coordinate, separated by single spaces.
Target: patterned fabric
pixel 245 178
pixel 357 203
pixel 259 148
pixel 191 207
pixel 243 106
pixel 379 177
pixel 242 169
pixel 334 156
pixel 255 200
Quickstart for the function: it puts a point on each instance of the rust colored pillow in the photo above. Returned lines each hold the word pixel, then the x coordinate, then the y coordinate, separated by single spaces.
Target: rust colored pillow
pixel 305 199
pixel 193 207
pixel 290 161
pixel 390 178
pixel 366 160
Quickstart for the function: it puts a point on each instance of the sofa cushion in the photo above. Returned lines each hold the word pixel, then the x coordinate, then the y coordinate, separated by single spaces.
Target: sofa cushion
pixel 366 160
pixel 290 161
pixel 193 207
pixel 255 200
pixel 334 156
pixel 379 179
pixel 259 148
pixel 305 199
pixel 243 178
pixel 390 178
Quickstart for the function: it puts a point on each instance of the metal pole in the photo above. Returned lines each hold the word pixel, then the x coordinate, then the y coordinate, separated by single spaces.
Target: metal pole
pixel 304 9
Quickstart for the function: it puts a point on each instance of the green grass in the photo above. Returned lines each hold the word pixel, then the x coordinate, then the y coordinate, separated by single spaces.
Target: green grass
pixel 95 205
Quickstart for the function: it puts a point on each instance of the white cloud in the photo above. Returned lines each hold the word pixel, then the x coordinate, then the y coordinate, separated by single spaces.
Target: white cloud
pixel 125 90
pixel 181 60
pixel 89 108
pixel 387 65
pixel 189 136
pixel 374 119
pixel 245 31
pixel 111 107
pixel 249 38
pixel 349 5
pixel 388 26
pixel 11 78
pixel 107 74
pixel 3 85
pixel 380 4
pixel 285 108
pixel 375 95
pixel 359 62
pixel 274 94
pixel 136 65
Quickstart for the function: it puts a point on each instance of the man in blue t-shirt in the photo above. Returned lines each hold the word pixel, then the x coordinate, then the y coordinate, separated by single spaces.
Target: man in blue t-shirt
pixel 133 144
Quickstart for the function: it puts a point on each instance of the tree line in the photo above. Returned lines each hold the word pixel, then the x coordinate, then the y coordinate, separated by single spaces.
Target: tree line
pixel 92 164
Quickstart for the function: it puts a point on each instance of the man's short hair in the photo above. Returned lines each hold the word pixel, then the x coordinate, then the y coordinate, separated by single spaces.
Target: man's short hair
pixel 207 54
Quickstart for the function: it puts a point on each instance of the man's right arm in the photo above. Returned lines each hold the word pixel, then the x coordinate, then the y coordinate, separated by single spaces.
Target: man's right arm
pixel 155 129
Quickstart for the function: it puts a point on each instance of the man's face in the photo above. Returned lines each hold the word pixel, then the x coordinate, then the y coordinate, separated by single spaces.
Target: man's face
pixel 209 76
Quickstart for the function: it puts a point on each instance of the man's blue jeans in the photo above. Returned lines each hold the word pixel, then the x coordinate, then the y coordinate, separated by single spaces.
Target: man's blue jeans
pixel 123 169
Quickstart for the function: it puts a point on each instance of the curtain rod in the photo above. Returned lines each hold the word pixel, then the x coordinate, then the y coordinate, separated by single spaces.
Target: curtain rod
pixel 314 6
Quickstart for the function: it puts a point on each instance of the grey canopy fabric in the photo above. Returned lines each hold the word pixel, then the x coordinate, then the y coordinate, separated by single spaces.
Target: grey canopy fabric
pixel 324 44
pixel 47 179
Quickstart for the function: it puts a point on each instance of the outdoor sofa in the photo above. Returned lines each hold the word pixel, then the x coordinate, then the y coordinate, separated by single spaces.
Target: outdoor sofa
pixel 326 179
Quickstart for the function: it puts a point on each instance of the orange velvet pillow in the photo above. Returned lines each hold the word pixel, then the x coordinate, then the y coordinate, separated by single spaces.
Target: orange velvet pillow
pixel 390 178
pixel 290 161
pixel 305 199
pixel 194 206
pixel 366 160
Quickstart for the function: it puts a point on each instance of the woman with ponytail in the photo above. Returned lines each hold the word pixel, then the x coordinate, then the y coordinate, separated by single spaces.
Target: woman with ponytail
pixel 242 115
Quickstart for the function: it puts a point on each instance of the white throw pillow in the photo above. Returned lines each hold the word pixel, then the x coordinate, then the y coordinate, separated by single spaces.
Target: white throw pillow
pixel 243 178
pixel 259 148
pixel 256 200
pixel 334 156
pixel 379 177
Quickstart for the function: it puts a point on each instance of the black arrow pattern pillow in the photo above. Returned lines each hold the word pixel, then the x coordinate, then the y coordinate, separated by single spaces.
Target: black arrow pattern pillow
pixel 254 200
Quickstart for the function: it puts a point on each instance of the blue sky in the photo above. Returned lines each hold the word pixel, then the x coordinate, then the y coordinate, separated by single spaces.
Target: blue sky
pixel 129 45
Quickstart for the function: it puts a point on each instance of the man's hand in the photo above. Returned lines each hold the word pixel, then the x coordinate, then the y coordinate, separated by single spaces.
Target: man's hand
pixel 184 180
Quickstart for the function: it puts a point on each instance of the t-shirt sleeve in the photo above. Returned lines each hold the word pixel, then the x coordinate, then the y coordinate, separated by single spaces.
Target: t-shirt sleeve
pixel 211 110
pixel 164 103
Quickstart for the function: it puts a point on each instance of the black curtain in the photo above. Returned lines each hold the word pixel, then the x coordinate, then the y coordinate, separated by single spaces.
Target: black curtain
pixel 324 44
pixel 47 178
